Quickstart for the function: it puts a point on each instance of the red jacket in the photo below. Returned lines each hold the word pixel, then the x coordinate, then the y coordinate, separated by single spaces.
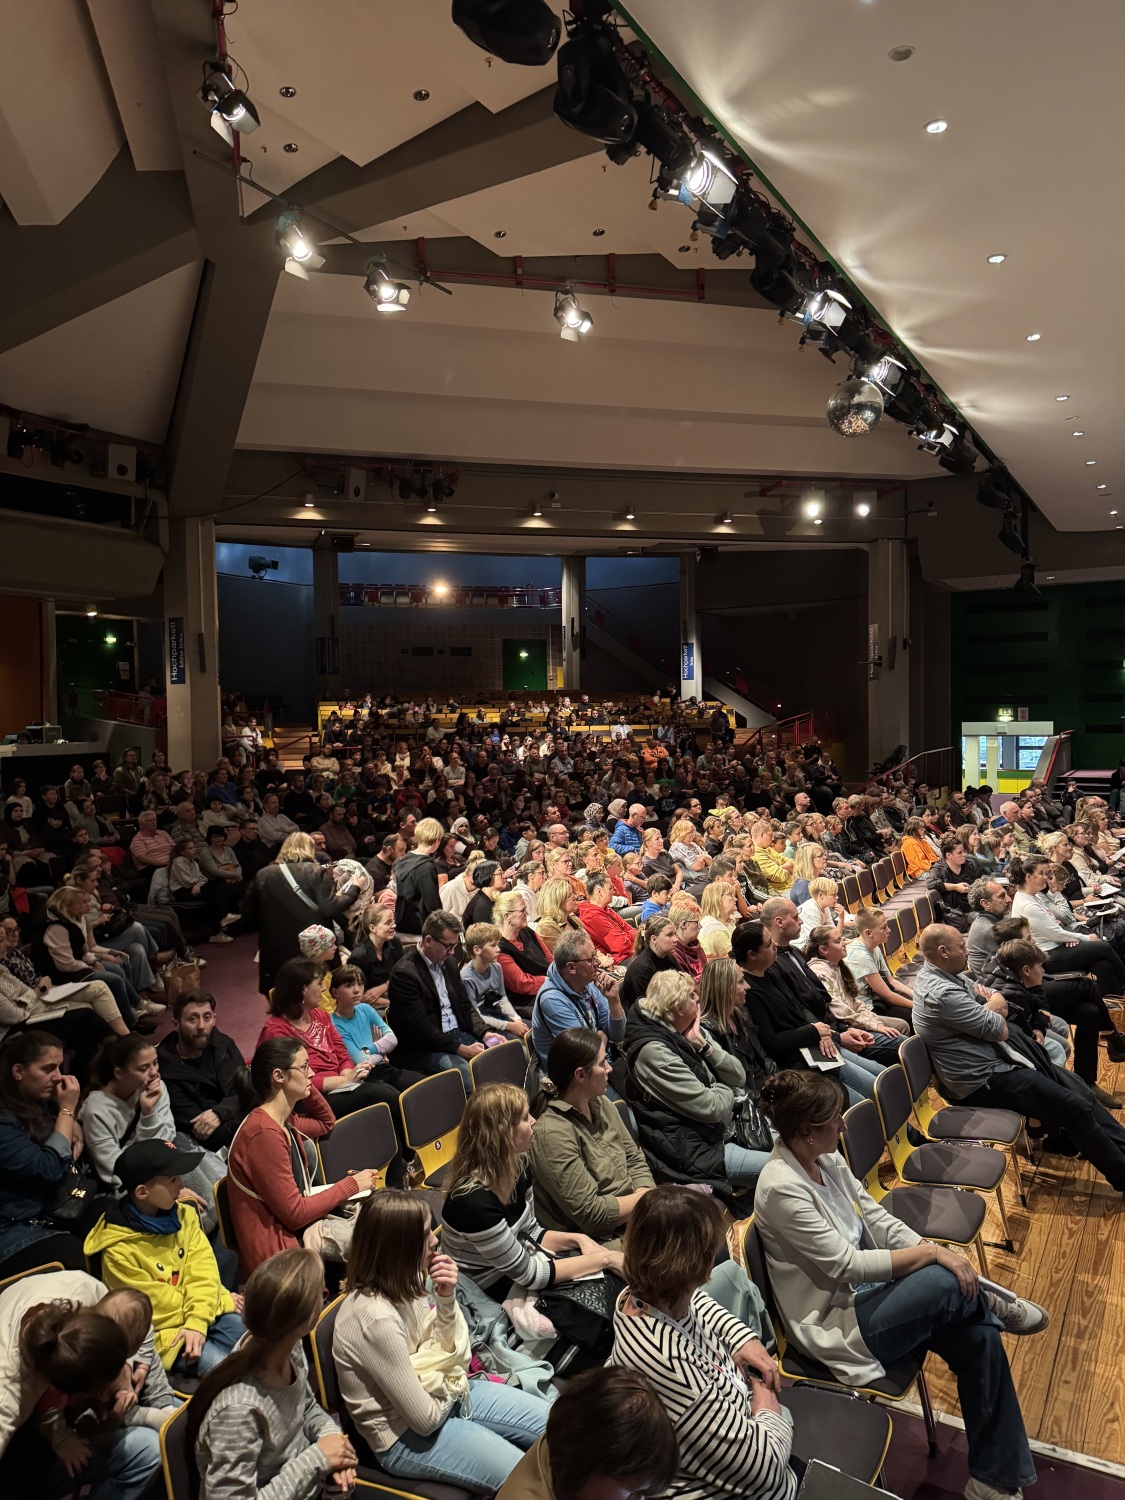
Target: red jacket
pixel 260 1160
pixel 327 1054
pixel 610 933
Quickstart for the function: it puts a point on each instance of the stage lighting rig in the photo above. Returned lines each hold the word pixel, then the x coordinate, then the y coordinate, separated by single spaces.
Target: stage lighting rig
pixel 1026 582
pixel 573 320
pixel 594 96
pixel 387 295
pixel 995 489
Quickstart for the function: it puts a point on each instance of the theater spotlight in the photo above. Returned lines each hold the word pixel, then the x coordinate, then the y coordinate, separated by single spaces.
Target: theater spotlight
pixel 301 255
pixel 1025 584
pixel 442 489
pixel 936 439
pixel 387 295
pixel 230 108
pixel 995 490
pixel 573 320
pixel 594 96
pixel 824 308
pixel 405 489
pixel 887 373
pixel 525 32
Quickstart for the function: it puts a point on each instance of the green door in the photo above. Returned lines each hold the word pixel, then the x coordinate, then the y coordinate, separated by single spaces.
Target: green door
pixel 525 666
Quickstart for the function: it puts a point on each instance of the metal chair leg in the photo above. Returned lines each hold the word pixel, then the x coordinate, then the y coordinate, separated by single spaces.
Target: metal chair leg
pixel 981 1256
pixel 1009 1244
pixel 927 1414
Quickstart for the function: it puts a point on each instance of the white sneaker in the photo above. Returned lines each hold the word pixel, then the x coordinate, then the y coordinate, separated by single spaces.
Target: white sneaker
pixel 1019 1315
pixel 976 1489
pixel 230 919
pixel 221 937
pixel 150 1007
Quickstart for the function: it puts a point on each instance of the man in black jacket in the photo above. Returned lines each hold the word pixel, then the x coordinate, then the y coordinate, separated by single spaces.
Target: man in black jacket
pixel 198 1064
pixel 429 1009
pixel 416 878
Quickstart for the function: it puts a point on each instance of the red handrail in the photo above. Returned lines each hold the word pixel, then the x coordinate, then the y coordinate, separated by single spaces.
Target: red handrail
pixel 785 734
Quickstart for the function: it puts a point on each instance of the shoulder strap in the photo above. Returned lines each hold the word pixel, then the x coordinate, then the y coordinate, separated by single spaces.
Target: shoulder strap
pixel 294 885
pixel 133 1123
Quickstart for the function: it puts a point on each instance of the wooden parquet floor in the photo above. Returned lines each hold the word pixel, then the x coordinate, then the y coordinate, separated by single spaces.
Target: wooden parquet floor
pixel 1070 1258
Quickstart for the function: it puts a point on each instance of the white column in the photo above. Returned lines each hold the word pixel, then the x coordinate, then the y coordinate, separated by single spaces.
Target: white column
pixel 972 762
pixel 191 644
pixel 573 615
pixel 691 655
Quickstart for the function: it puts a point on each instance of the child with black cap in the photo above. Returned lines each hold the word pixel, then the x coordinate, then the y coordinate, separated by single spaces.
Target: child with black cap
pixel 153 1243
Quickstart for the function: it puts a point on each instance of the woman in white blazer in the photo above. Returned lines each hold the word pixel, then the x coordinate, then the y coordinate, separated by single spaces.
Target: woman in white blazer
pixel 857 1290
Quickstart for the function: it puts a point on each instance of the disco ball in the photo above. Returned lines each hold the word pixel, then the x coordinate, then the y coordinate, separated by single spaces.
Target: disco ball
pixel 854 408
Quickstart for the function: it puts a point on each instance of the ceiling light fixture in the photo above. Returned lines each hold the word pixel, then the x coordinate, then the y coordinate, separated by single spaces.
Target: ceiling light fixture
pixel 863 501
pixel 387 295
pixel 597 233
pixel 421 95
pixel 291 147
pixel 301 255
pixel 308 501
pixel 441 589
pixel 896 54
pixel 1090 462
pixel 1062 398
pixel 230 108
pixel 431 506
pixel 812 509
pixel 537 510
pixel 630 514
pixel 818 520
pixel 573 320
pixel 1113 512
pixel 936 127
pixel 726 519
pixel 1033 338
pixel 1078 434
pixel 1101 486
pixel 91 611
pixel 997 260
pixel 288 91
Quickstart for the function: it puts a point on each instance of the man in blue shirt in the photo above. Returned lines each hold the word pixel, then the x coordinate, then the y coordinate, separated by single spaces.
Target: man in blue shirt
pixel 569 997
pixel 626 836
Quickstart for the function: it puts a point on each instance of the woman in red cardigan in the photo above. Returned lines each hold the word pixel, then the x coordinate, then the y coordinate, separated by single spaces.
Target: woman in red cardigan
pixel 523 959
pixel 295 1011
pixel 268 1178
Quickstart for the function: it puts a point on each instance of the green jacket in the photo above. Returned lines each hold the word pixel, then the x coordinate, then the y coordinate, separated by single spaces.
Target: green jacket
pixel 581 1167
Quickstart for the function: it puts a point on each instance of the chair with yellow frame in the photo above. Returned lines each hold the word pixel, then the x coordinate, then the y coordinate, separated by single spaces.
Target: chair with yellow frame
pixel 908 935
pixel 898 864
pixel 1002 1128
pixel 949 1215
pixel 43 1270
pixel 896 1383
pixel 892 945
pixel 937 1163
pixel 431 1117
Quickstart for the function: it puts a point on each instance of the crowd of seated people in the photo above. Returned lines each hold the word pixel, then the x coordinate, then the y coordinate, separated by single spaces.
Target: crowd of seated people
pixel 663 925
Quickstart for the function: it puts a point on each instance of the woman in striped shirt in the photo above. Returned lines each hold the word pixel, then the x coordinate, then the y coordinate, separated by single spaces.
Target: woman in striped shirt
pixel 488 1218
pixel 715 1378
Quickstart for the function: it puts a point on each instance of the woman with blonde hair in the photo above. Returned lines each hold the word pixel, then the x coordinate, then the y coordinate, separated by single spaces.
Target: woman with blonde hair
pixel 558 907
pixel 378 953
pixel 401 1350
pixel 254 1425
pixel 682 1085
pixel 719 914
pixel 285 898
pixel 687 955
pixel 685 848
pixel 809 861
pixel 488 1217
pixel 916 849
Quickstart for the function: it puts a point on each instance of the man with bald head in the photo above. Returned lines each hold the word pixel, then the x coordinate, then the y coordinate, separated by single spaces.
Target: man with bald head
pixel 979 1062
pixel 626 836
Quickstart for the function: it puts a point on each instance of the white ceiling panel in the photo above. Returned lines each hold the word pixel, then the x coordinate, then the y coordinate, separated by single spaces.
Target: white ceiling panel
pixel 115 368
pixel 131 53
pixel 1027 168
pixel 59 128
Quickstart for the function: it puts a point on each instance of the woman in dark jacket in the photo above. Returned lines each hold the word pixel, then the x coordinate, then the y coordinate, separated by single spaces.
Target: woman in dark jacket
pixel 652 955
pixel 286 897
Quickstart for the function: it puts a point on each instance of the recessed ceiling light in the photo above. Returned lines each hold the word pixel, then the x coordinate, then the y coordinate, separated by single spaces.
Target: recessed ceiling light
pixel 936 127
pixel 1090 462
pixel 818 520
pixel 288 92
pixel 1062 398
pixel 997 260
pixel 1113 512
pixel 726 518
pixel 292 147
pixel 862 508
pixel 421 95
pixel 597 233
pixel 630 514
pixel 1050 577
pixel 1078 434
pixel 1102 486
pixel 901 54
pixel 1033 338
pixel 684 250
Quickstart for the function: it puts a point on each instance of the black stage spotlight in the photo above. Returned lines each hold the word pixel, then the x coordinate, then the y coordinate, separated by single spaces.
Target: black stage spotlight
pixel 1026 583
pixel 516 31
pixel 1010 534
pixel 405 489
pixel 594 96
pixel 995 490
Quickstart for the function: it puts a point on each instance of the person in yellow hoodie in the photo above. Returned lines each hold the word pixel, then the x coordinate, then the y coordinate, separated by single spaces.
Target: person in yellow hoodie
pixel 154 1243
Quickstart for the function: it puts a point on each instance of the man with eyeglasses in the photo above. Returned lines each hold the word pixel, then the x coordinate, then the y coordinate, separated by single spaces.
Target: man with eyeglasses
pixel 571 997
pixel 430 1012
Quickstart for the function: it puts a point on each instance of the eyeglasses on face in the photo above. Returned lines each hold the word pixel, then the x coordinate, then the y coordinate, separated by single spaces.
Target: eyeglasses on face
pixel 305 1068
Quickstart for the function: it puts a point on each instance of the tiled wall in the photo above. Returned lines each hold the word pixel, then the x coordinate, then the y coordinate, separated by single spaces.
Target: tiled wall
pixel 376 650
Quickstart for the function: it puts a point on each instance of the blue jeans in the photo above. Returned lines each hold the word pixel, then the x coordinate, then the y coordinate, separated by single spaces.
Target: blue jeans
pixel 123 1471
pixel 927 1310
pixel 858 1076
pixel 221 1338
pixel 744 1166
pixel 440 1062
pixel 478 1452
pixel 123 992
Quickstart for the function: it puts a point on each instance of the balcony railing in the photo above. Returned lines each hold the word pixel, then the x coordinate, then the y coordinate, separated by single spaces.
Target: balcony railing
pixel 447 596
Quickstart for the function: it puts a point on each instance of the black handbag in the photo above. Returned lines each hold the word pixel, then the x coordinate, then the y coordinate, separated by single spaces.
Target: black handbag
pixel 582 1311
pixel 72 1207
pixel 750 1128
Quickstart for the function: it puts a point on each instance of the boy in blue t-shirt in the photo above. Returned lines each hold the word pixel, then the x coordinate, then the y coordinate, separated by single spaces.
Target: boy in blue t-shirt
pixel 362 1029
pixel 659 895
